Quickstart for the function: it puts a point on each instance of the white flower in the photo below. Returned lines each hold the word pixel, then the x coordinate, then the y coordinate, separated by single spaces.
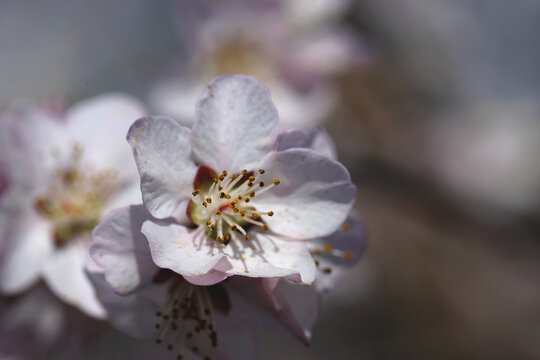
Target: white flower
pixel 64 172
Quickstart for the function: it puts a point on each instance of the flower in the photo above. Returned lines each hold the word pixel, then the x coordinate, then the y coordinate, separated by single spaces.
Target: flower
pixel 250 208
pixel 64 172
pixel 295 48
pixel 144 300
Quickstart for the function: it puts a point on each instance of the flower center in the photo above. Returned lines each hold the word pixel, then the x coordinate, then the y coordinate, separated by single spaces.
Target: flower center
pixel 225 206
pixel 74 198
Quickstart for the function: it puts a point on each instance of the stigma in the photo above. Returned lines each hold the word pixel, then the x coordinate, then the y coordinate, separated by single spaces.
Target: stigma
pixel 224 207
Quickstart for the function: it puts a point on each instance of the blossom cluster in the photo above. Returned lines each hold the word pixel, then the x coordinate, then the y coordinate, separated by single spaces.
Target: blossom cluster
pixel 203 230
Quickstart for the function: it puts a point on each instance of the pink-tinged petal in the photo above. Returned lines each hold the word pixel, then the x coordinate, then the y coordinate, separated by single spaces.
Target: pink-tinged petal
pixel 211 278
pixel 100 125
pixel 236 340
pixel 64 272
pixel 274 305
pixel 119 247
pixel 317 140
pixel 163 155
pixel 346 246
pixel 236 125
pixel 28 244
pixel 314 197
pixel 133 314
pixel 184 251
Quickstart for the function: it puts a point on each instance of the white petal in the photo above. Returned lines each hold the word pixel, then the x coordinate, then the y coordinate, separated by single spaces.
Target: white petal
pixel 236 125
pixel 28 245
pixel 195 256
pixel 119 247
pixel 100 125
pixel 163 155
pixel 314 197
pixel 65 274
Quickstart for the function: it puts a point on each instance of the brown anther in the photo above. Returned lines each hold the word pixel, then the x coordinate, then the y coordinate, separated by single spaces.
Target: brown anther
pixel 317 262
pixel 221 177
pixel 216 180
pixel 158 326
pixel 252 194
pixel 251 178
pixel 240 197
pixel 276 182
pixel 244 172
pixel 233 227
pixel 196 192
pixel 166 317
pixel 220 187
pixel 219 240
pixel 327 248
pixel 209 200
pixel 250 184
pixel 247 200
pixel 218 213
pixel 170 347
pixel 234 176
pixel 213 227
pixel 265 227
pixel 346 226
pixel 242 214
pixel 227 196
pixel 270 213
pixel 347 255
pixel 327 270
pixel 261 184
pixel 159 341
pixel 255 216
pixel 261 171
pixel 194 349
pixel 208 223
pixel 205 204
pixel 235 209
pixel 158 313
pixel 221 195
pixel 246 237
pixel 179 357
pixel 224 173
pixel 227 238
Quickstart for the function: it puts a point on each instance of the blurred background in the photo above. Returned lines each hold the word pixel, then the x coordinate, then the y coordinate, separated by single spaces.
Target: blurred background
pixel 433 106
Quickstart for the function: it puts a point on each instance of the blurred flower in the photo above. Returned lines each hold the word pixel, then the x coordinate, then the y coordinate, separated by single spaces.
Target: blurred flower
pixel 295 47
pixel 64 172
pixel 297 193
pixel 214 322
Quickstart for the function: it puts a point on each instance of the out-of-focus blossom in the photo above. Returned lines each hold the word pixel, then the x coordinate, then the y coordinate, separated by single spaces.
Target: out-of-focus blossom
pixel 295 48
pixel 64 172
pixel 251 218
pixel 214 322
pixel 491 156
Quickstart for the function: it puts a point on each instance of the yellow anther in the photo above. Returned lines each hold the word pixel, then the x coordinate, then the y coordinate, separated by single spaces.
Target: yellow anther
pixel 252 178
pixel 240 197
pixel 220 187
pixel 205 204
pixel 233 227
pixel 235 209
pixel 327 248
pixel 250 184
pixel 219 239
pixel 221 177
pixel 252 194
pixel 247 200
pixel 261 184
pixel 346 226
pixel 218 213
pixel 216 180
pixel 213 226
pixel 227 238
pixel 270 213
pixel 265 227
pixel 234 176
pixel 276 182
pixel 246 237
pixel 261 171
pixel 196 192
pixel 224 173
pixel 221 195
pixel 227 196
pixel 244 172
pixel 347 255
pixel 255 216
pixel 208 223
pixel 209 200
pixel 242 213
